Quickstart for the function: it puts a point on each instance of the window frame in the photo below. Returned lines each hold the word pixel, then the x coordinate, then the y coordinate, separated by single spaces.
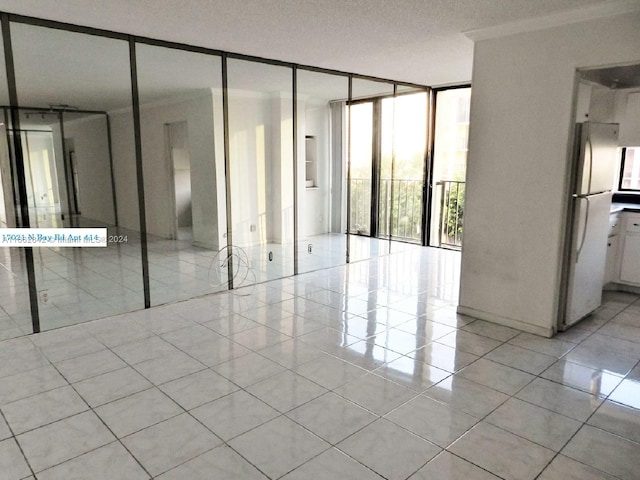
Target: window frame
pixel 623 158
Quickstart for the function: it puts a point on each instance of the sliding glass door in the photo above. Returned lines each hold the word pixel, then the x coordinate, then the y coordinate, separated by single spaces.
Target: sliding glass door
pixel 388 166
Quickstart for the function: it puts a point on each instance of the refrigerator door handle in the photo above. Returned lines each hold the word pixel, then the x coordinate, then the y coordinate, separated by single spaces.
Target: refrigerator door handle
pixel 584 228
pixel 590 145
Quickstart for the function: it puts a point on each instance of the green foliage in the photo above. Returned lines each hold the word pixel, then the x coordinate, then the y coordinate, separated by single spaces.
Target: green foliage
pixel 455 211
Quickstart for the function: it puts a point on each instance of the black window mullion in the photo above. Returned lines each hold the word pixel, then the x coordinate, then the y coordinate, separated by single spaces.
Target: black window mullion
pixel 376 162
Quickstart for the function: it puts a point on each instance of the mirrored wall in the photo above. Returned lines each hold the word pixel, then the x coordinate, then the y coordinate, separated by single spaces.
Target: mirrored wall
pixel 78 148
pixel 322 173
pixel 15 310
pixel 182 136
pixel 260 100
pixel 209 171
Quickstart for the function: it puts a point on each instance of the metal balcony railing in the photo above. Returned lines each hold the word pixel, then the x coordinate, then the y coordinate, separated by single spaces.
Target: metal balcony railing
pixel 399 199
pixel 451 221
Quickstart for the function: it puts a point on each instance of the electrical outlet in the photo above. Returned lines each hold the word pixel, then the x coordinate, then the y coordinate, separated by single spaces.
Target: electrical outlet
pixel 44 296
pixel 252 228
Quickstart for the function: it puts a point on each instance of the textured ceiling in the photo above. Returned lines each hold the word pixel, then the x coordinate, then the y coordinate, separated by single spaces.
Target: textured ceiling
pixel 417 41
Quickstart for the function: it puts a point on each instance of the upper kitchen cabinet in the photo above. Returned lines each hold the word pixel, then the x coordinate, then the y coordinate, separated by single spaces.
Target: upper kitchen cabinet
pixel 612 95
pixel 628 108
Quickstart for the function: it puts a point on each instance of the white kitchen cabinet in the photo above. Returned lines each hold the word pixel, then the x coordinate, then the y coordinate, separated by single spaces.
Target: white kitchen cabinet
pixel 630 264
pixel 610 274
pixel 630 255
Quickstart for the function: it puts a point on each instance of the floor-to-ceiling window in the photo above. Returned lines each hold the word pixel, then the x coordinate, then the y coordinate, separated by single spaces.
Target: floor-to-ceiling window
pixel 388 164
pixel 404 166
pixel 366 211
pixel 449 167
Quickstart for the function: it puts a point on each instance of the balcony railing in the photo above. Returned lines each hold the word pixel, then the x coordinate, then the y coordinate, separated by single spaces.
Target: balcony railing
pixel 406 210
pixel 451 212
pixel 400 199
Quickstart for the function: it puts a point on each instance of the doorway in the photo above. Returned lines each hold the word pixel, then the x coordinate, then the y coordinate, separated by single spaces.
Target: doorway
pixel 180 167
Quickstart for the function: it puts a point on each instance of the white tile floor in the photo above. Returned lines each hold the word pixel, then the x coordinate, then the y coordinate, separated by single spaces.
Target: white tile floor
pixel 83 284
pixel 354 372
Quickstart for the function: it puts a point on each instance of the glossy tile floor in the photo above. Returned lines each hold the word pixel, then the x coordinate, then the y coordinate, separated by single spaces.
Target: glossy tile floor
pixel 356 372
pixel 84 284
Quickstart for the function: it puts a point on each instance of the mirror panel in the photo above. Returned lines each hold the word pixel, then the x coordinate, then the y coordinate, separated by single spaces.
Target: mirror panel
pixel 77 89
pixel 322 162
pixel 261 170
pixel 182 134
pixel 15 311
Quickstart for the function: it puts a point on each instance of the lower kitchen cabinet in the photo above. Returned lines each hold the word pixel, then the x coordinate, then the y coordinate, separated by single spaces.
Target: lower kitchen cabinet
pixel 610 273
pixel 626 270
pixel 630 261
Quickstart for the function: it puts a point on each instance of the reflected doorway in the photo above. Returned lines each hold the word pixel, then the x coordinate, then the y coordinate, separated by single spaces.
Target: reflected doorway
pixel 180 166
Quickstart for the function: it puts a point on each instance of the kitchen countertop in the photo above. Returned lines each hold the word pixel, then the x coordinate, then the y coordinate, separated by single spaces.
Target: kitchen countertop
pixel 626 207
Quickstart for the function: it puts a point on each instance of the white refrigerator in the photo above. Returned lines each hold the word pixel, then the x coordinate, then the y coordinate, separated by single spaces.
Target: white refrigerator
pixel 594 167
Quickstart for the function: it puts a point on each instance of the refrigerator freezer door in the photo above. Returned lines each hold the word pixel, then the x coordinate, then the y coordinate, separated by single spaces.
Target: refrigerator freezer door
pixel 597 160
pixel 588 256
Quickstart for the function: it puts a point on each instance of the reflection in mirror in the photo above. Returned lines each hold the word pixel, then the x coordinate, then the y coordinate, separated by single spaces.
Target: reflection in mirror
pixel 183 158
pixel 15 314
pixel 322 127
pixel 74 92
pixel 261 162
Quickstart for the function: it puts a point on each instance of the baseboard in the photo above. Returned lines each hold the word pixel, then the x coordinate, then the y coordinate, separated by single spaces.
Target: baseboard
pixel 507 322
pixel 209 246
pixel 622 287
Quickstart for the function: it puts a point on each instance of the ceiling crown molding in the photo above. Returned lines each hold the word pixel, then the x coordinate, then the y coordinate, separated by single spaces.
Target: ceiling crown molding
pixel 592 12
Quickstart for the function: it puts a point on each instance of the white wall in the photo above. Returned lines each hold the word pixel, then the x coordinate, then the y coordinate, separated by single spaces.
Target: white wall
pixel 91 147
pixel 519 145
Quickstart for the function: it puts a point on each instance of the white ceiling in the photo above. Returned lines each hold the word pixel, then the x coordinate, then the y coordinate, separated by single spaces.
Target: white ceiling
pixel 419 41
